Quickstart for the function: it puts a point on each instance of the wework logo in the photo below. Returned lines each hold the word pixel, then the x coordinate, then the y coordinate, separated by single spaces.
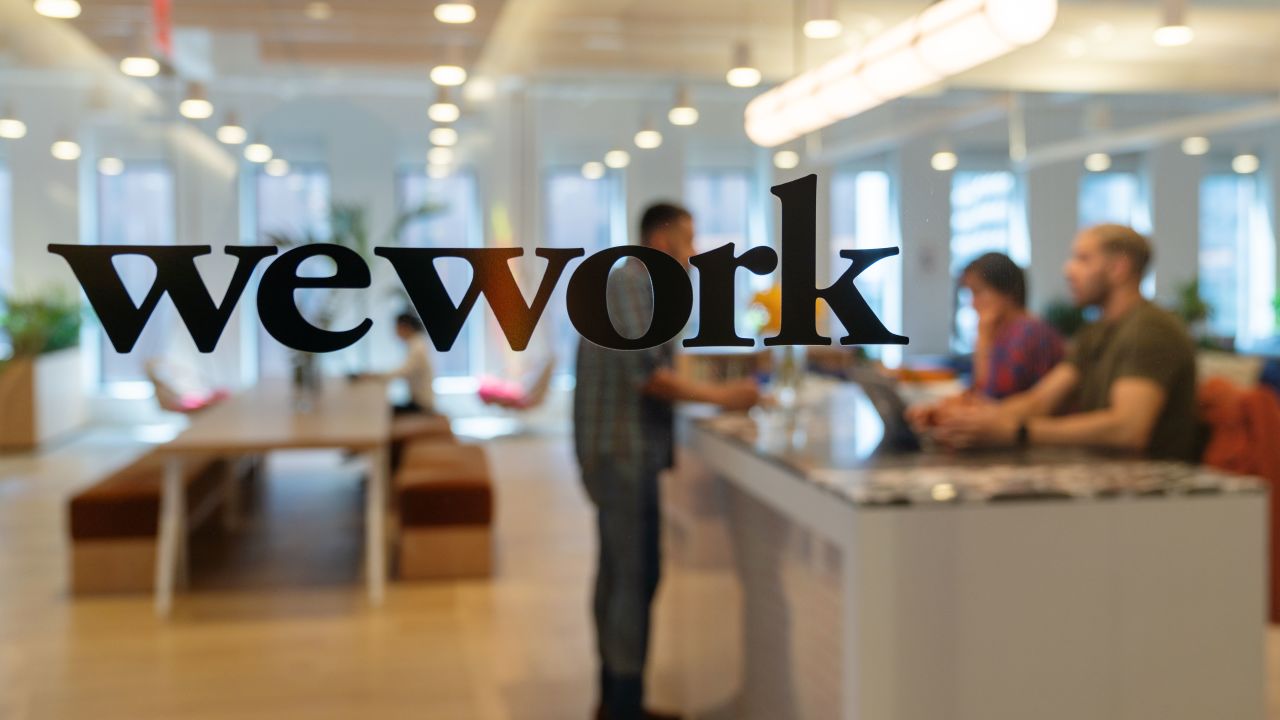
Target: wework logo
pixel 205 319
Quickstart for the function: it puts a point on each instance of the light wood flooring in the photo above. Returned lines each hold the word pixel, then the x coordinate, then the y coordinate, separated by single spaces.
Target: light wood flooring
pixel 276 625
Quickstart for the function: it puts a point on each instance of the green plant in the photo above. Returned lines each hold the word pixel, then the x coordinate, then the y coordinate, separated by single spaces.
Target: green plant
pixel 1191 307
pixel 349 227
pixel 41 324
pixel 1065 317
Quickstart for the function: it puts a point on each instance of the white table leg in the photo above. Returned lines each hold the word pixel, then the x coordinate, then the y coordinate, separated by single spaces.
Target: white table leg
pixel 375 525
pixel 172 534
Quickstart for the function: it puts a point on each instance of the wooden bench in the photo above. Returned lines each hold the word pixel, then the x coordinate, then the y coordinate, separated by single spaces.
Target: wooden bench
pixel 414 427
pixel 114 522
pixel 444 497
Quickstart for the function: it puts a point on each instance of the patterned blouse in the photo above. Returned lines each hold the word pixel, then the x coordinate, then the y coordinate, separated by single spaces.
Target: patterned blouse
pixel 1024 351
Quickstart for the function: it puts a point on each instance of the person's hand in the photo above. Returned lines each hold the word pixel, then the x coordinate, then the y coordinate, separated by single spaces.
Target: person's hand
pixel 739 395
pixel 976 425
pixel 922 417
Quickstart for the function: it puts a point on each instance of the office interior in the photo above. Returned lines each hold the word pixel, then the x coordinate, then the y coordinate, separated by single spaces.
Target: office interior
pixel 290 581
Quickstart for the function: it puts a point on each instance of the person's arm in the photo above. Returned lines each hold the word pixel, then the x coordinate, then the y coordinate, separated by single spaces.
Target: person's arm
pixel 1127 423
pixel 734 395
pixel 1045 397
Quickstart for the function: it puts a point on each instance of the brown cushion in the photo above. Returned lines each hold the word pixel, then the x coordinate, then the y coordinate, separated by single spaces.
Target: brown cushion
pixel 445 502
pixel 419 425
pixel 445 461
pixel 444 484
pixel 126 503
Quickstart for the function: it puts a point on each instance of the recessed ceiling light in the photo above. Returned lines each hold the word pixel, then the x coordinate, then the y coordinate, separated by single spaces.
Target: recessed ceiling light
pixel 257 152
pixel 455 13
pixel 1196 145
pixel 140 66
pixel 944 161
pixel 319 11
pixel 617 159
pixel 443 136
pixel 823 28
pixel 786 159
pixel 1098 162
pixel 110 166
pixel 65 150
pixel 1246 164
pixel 58 9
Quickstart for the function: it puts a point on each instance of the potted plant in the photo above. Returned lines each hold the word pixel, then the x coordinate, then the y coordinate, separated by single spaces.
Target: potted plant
pixel 40 388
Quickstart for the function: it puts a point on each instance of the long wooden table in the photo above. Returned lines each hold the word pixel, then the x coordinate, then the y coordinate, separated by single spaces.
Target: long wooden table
pixel 349 416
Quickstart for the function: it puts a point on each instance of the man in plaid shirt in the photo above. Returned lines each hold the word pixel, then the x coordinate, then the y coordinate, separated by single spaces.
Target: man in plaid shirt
pixel 623 435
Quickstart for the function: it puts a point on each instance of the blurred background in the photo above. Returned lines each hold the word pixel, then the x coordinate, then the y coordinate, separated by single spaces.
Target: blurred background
pixel 523 123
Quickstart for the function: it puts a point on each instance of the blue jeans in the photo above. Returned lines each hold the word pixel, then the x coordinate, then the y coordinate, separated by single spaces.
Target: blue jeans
pixel 627 574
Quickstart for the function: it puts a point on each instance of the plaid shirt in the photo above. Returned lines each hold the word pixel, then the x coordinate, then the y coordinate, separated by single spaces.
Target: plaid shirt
pixel 615 425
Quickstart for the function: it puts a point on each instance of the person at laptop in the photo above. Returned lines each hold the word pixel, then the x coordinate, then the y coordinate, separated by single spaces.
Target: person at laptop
pixel 1127 383
pixel 1014 348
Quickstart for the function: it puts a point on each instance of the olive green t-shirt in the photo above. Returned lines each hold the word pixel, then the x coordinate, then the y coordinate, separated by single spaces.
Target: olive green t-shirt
pixel 1146 342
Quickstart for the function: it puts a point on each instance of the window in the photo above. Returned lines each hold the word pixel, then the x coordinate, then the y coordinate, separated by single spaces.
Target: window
pixel 862 217
pixel 1236 258
pixel 720 201
pixel 984 212
pixel 1117 197
pixel 579 214
pixel 6 229
pixel 136 207
pixel 295 206
pixel 455 224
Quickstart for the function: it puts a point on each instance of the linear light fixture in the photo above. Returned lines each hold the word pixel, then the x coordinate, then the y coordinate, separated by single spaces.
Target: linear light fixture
pixel 948 38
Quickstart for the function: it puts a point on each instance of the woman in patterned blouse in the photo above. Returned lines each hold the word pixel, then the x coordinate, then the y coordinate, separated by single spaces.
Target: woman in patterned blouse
pixel 1014 348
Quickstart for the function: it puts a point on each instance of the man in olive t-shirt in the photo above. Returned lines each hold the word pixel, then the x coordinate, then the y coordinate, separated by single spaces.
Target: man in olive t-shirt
pixel 1128 382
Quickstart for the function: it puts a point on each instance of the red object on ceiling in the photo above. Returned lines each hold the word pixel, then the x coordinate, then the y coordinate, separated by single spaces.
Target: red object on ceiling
pixel 162 22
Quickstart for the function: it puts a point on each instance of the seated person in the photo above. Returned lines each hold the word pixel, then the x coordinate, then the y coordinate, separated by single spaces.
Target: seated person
pixel 1015 348
pixel 1129 381
pixel 416 368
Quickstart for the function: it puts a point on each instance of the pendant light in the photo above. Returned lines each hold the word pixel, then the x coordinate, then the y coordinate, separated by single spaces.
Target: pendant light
pixel 276 167
pixel 110 166
pixel 455 13
pixel 822 23
pixel 1246 164
pixel 1196 146
pixel 444 110
pixel 11 128
pixel 946 39
pixel 443 137
pixel 65 149
pixel 742 74
pixel 141 61
pixel 258 152
pixel 617 159
pixel 593 170
pixel 786 159
pixel 683 113
pixel 648 138
pixel 1097 162
pixel 231 132
pixel 440 156
pixel 1174 30
pixel 58 9
pixel 196 105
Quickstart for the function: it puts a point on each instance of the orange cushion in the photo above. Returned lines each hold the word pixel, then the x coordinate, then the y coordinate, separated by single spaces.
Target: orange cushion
pixel 126 503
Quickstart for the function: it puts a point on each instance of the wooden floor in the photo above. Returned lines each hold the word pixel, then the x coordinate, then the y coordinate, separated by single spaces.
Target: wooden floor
pixel 276 625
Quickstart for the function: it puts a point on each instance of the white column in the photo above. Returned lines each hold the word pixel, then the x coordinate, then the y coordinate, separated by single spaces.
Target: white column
pixel 924 228
pixel 1052 195
pixel 1173 182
